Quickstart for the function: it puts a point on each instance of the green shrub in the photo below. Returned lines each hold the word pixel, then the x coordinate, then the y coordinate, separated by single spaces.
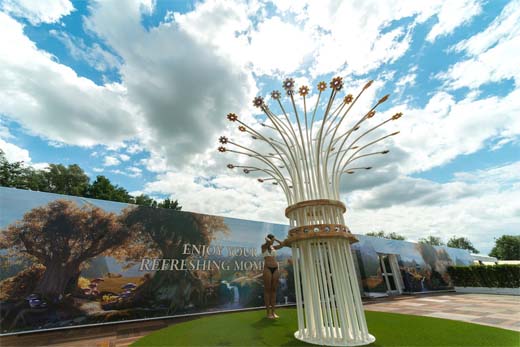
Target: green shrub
pixel 495 276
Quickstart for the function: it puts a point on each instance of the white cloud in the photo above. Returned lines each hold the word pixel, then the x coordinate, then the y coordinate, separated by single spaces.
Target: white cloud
pixel 452 14
pixel 279 47
pixel 220 25
pixel 504 27
pixel 40 166
pixel 407 191
pixel 407 80
pixel 479 205
pixel 501 176
pixel 4 131
pixel 98 169
pixel 492 53
pixel 135 171
pixel 445 128
pixel 180 78
pixel 14 153
pixel 319 34
pixel 173 101
pixel 94 55
pixel 227 195
pixel 134 148
pixel 403 83
pixel 130 171
pixel 52 101
pixel 180 87
pixel 356 44
pixel 111 161
pixel 350 36
pixel 36 12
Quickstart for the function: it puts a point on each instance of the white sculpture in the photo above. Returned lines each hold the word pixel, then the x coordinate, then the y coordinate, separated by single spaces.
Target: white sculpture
pixel 307 164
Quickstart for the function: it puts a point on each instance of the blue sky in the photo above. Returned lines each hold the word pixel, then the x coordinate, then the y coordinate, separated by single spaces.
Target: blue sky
pixel 139 92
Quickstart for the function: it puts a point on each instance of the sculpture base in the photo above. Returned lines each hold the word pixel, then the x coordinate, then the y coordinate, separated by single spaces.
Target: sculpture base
pixel 335 341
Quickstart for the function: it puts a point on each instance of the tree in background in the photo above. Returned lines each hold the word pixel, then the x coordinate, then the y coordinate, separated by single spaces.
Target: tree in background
pixel 431 240
pixel 63 236
pixel 144 200
pixel 507 247
pixel 172 205
pixel 103 189
pixel 391 236
pixel 461 242
pixel 70 180
pixel 12 174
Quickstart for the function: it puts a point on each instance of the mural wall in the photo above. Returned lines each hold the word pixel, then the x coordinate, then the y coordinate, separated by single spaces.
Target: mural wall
pixel 70 261
pixel 422 267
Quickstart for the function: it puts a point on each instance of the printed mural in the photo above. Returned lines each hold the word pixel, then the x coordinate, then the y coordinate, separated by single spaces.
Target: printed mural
pixel 422 267
pixel 73 261
pixel 70 261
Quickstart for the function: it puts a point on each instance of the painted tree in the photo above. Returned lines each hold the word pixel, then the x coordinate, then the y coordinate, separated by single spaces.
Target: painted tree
pixel 63 236
pixel 168 231
pixel 165 232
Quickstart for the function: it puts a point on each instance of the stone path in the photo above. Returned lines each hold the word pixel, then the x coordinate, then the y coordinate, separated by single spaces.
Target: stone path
pixel 502 311
pixel 495 310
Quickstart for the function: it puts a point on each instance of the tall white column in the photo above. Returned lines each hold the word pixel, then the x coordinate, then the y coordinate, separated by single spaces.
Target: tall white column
pixel 328 300
pixel 307 158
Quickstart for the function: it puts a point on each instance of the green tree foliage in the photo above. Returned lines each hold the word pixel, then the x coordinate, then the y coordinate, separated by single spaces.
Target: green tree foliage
pixel 14 174
pixel 391 236
pixel 461 242
pixel 507 247
pixel 173 205
pixel 71 180
pixel 103 189
pixel 144 200
pixel 431 240
pixel 68 180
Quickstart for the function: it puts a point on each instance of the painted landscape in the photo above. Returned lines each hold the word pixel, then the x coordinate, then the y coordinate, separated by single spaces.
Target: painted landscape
pixel 70 262
pixel 422 267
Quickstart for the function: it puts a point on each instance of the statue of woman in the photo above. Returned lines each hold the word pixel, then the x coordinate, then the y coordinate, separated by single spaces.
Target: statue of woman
pixel 271 273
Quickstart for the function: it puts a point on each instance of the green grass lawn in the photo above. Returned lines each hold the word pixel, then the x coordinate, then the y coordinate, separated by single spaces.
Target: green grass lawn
pixel 252 329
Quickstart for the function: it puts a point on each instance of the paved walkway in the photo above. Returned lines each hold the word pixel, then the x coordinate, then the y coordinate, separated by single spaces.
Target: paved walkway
pixel 496 310
pixel 502 311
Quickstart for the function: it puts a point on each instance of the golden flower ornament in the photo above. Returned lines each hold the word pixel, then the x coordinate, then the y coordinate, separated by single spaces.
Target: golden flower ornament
pixel 232 117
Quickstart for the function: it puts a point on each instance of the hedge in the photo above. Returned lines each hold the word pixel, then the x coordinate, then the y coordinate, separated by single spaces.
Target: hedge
pixel 493 276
